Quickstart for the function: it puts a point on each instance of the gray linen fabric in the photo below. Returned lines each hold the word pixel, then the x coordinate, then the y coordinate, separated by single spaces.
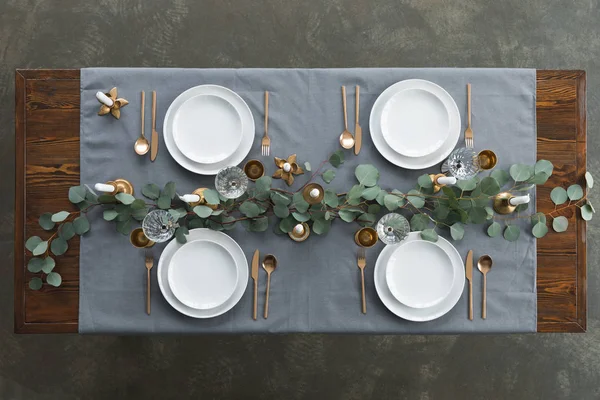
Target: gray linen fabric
pixel 317 286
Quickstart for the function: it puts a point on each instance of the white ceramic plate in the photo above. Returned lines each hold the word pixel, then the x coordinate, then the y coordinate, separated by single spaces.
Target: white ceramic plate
pixel 413 162
pixel 202 274
pixel 240 261
pixel 419 314
pixel 415 122
pixel 207 128
pixel 247 129
pixel 419 274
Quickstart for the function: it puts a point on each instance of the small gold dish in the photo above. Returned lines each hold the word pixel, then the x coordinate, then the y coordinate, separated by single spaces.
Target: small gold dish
pixel 366 237
pixel 300 232
pixel 139 240
pixel 121 186
pixel 313 193
pixel 487 159
pixel 254 169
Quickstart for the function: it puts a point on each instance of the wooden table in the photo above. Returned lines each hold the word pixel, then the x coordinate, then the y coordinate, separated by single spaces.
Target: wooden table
pixel 47 164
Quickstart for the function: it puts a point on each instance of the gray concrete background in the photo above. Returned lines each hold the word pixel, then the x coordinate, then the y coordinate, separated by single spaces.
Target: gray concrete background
pixel 276 33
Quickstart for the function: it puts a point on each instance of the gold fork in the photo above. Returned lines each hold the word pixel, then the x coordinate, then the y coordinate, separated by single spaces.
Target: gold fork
pixel 469 131
pixel 149 265
pixel 362 263
pixel 266 142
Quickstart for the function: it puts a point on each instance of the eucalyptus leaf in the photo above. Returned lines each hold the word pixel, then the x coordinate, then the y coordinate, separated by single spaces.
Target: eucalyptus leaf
pixel 371 193
pixel 543 166
pixel 35 265
pixel 559 195
pixel 307 166
pixel 391 202
pixel 301 217
pixel 539 230
pixel 164 202
pixel 125 198
pixel 321 227
pixel 415 198
pixel 151 191
pixel 521 172
pixel 217 212
pixel 419 222
pixel 575 192
pixel 490 212
pixel 328 215
pixel 228 223
pixel 380 197
pixel 124 227
pixel 287 224
pixel 194 223
pixel 374 209
pixel 539 179
pixel 468 184
pixel 67 231
pixel 560 224
pixel 54 279
pixel 512 233
pixel 60 216
pixel 211 196
pixel 280 198
pixel 430 235
pixel 501 176
pixel 81 224
pixel 587 212
pixel 260 224
pixel 106 199
pixel 205 211
pixel 58 246
pixel 169 190
pixel 138 204
pixel 354 194
pixel 46 221
pixel 424 181
pixel 591 206
pixel 178 213
pixel 538 217
pixel 35 283
pixel 489 186
pixel 48 265
pixel 441 212
pixel 109 215
pixel 336 158
pixel 181 234
pixel 77 194
pixel 40 248
pixel 281 211
pixel 457 231
pixel 331 198
pixel 478 215
pixel 328 175
pixel 299 203
pixel 366 219
pixel 494 229
pixel 447 190
pixel 347 215
pixel 589 180
pixel 263 184
pixel 367 175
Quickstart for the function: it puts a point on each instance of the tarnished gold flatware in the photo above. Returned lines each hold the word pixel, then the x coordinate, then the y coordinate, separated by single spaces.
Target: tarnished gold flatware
pixel 469 276
pixel 346 138
pixel 469 131
pixel 149 265
pixel 266 141
pixel 141 145
pixel 357 128
pixel 362 263
pixel 269 264
pixel 154 143
pixel 254 274
pixel 484 264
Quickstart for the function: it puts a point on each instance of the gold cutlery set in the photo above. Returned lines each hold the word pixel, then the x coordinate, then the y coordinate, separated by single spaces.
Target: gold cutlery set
pixel 361 260
pixel 469 131
pixel 149 265
pixel 269 264
pixel 142 146
pixel 484 264
pixel 347 140
pixel 265 145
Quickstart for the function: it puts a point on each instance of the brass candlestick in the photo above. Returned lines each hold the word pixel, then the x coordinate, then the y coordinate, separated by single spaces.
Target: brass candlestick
pixel 502 203
pixel 121 186
pixel 313 193
pixel 202 201
pixel 300 232
pixel 111 103
pixel 436 186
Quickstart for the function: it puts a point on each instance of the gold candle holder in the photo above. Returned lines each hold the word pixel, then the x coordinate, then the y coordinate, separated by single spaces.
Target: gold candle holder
pixel 121 186
pixel 502 203
pixel 436 186
pixel 202 201
pixel 366 237
pixel 300 232
pixel 139 240
pixel 487 159
pixel 254 169
pixel 313 193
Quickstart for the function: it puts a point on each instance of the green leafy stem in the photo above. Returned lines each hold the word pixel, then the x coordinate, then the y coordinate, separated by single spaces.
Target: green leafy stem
pixel 469 202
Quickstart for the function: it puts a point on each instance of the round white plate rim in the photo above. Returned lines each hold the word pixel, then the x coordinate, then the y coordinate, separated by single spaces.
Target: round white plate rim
pixel 424 88
pixel 396 292
pixel 170 277
pixel 236 251
pixel 419 314
pixel 210 169
pixel 238 140
pixel 413 162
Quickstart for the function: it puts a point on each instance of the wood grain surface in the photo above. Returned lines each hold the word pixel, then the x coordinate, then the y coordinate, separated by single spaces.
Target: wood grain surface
pixel 47 164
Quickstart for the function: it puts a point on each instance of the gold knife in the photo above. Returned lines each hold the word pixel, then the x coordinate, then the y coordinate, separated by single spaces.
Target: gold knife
pixel 469 275
pixel 154 143
pixel 255 278
pixel 357 128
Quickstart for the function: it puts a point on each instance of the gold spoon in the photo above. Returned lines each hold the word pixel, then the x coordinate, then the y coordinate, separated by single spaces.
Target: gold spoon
pixel 346 138
pixel 484 264
pixel 269 264
pixel 142 145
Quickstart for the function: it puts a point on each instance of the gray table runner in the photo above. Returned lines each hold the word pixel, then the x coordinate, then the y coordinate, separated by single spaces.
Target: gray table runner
pixel 317 285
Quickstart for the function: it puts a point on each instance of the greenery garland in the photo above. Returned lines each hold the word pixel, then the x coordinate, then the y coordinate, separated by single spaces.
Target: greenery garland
pixel 453 207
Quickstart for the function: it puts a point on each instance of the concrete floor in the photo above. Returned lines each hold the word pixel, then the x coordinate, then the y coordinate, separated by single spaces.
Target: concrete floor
pixel 309 33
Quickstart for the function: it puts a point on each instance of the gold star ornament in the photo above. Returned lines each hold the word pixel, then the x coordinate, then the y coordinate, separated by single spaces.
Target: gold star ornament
pixel 117 103
pixel 287 169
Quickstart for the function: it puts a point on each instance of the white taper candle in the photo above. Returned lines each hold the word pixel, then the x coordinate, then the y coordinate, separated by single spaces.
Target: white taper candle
pixel 446 180
pixel 190 198
pixel 104 99
pixel 515 201
pixel 103 187
pixel 314 193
